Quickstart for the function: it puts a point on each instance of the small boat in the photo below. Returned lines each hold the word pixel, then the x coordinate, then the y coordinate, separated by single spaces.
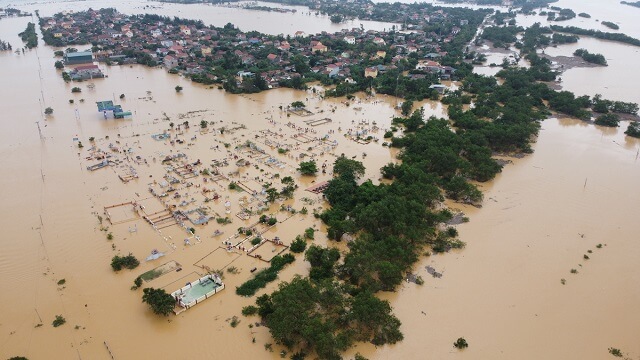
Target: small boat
pixel 155 254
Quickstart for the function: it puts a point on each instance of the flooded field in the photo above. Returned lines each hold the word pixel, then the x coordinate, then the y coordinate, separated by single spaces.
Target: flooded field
pixel 503 292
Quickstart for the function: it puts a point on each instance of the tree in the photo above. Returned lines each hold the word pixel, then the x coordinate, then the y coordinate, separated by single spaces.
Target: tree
pixel 178 88
pixel 203 124
pixel 461 343
pixel 48 111
pixel 348 167
pixel 298 105
pixel 59 65
pixel 159 301
pixel 610 120
pixel 76 89
pixel 633 129
pixel 407 105
pixel 129 262
pixel 308 167
pixel 298 245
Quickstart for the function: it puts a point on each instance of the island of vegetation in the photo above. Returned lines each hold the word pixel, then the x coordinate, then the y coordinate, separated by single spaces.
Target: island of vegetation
pixel 597 34
pixel 610 25
pixel 585 15
pixel 29 36
pixel 631 3
pixel 591 58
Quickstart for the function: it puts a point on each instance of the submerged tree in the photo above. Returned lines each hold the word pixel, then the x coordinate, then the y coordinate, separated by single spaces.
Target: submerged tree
pixel 159 301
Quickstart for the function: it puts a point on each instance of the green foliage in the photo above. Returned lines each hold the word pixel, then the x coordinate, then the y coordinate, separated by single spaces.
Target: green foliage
pixel 597 34
pixel 249 310
pixel 348 168
pixel 48 111
pixel 264 276
pixel 234 321
pixel 311 316
pixel 130 262
pixel 58 321
pixel 76 89
pixel 178 88
pixel 59 65
pixel 137 282
pixel 322 262
pixel 203 124
pixel 298 245
pixel 610 25
pixel 615 352
pixel 461 343
pixel 309 233
pixel 29 36
pixel 634 129
pixel 406 107
pixel 308 167
pixel 255 241
pixel 610 120
pixel 591 58
pixel 159 301
pixel 298 105
pixel 62 281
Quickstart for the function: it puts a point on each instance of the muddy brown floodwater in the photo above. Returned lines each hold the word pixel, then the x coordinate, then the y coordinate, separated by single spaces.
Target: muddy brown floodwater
pixel 503 292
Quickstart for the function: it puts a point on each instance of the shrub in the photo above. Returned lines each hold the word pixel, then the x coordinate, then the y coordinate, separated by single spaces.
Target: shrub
pixel 615 352
pixel 255 241
pixel 62 281
pixel 298 245
pixel 178 88
pixel 461 343
pixel 309 233
pixel 249 310
pixel 59 321
pixel 129 262
pixel 48 111
pixel 272 221
pixel 76 89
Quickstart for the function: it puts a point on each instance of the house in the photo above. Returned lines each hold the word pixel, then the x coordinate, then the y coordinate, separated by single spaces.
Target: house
pixel 205 50
pixel 319 47
pixel 170 62
pixel 85 72
pixel 350 40
pixel 185 30
pixel 273 58
pixel 381 54
pixel 378 41
pixel 439 88
pixel 81 57
pixel 371 72
pixel 299 34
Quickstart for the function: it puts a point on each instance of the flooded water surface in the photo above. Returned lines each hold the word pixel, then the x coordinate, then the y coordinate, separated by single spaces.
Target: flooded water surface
pixel 574 198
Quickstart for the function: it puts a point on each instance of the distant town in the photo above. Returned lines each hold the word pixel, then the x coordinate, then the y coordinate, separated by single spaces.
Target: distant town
pixel 404 60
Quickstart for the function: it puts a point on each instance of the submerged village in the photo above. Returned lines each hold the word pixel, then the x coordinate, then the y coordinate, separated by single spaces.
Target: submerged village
pixel 300 216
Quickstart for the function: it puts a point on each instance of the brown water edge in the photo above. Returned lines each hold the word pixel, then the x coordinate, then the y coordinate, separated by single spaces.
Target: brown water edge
pixel 503 292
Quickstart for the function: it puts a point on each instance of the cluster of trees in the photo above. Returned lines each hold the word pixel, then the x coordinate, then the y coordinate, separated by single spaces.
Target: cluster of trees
pixel 590 57
pixel 609 120
pixel 563 14
pixel 29 36
pixel 634 129
pixel 129 262
pixel 5 46
pixel 631 3
pixel 558 38
pixel 265 276
pixel 610 25
pixel 603 106
pixel 597 34
pixel 159 301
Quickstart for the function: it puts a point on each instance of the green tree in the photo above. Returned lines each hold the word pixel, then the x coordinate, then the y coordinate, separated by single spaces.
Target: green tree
pixel 48 111
pixel 59 65
pixel 159 301
pixel 634 129
pixel 610 120
pixel 308 167
pixel 348 167
pixel 178 88
pixel 406 107
pixel 298 105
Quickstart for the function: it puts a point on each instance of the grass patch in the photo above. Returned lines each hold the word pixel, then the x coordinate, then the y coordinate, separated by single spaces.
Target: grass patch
pixel 265 276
